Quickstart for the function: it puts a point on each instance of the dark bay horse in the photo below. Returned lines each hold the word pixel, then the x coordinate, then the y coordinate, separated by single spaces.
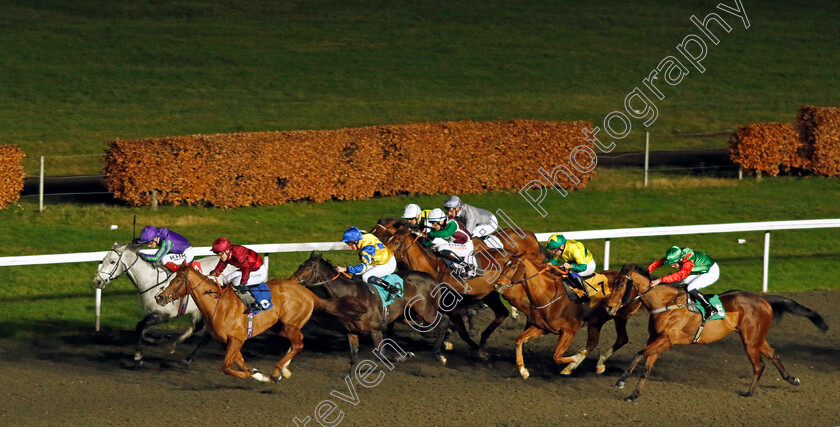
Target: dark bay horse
pixel 671 323
pixel 553 312
pixel 223 316
pixel 411 253
pixel 420 297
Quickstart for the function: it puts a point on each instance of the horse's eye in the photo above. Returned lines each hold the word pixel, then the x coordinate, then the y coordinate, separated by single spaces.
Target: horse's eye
pixel 113 262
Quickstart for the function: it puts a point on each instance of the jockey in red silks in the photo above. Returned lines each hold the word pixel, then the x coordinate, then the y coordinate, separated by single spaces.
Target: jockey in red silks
pixel 251 270
pixel 173 248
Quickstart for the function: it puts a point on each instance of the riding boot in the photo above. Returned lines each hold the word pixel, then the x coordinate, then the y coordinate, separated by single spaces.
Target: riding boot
pixel 709 308
pixel 459 266
pixel 391 289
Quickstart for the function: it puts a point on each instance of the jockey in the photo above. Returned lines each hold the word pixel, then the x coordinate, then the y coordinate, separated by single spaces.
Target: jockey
pixel 173 248
pixel 573 256
pixel 696 270
pixel 377 260
pixel 479 222
pixel 452 241
pixel 415 217
pixel 252 271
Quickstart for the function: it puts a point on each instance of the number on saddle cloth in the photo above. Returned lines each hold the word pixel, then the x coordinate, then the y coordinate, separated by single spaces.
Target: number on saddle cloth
pixel 714 300
pixel 262 294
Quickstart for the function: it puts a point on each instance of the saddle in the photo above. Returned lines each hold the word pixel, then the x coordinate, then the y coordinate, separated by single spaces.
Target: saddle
pixel 695 307
pixel 260 293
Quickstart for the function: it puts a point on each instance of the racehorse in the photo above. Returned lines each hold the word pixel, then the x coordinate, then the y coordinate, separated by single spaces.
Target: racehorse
pixel 147 278
pixel 419 296
pixel 512 239
pixel 672 323
pixel 480 288
pixel 224 315
pixel 553 312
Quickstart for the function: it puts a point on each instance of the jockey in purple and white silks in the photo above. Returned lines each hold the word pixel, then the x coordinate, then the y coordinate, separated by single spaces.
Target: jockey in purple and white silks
pixel 173 248
pixel 479 222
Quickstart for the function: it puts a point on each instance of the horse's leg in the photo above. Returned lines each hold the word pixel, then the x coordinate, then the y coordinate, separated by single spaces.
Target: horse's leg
pixel 195 326
pixel 563 343
pixel 531 332
pixel 151 319
pixel 621 339
pixel 293 334
pixel 494 301
pixel 458 324
pixel 390 330
pixel 353 340
pixel 233 355
pixel 201 344
pixel 769 353
pixel 651 352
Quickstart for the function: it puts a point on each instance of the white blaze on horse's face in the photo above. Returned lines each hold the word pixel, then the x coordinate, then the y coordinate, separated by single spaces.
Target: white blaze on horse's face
pixel 108 270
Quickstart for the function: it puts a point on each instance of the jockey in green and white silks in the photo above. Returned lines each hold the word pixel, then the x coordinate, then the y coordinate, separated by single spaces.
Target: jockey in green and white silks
pixel 453 242
pixel 571 255
pixel 377 260
pixel 696 270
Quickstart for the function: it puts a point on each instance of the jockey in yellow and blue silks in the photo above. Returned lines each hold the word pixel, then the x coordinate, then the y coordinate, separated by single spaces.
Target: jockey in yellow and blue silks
pixel 696 270
pixel 415 217
pixel 377 260
pixel 573 256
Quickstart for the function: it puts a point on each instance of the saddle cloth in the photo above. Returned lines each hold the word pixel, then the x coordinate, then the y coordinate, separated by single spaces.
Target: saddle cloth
pixel 393 279
pixel 698 308
pixel 262 294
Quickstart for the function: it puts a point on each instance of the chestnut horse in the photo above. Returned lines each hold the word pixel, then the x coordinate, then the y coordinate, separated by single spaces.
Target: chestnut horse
pixel 419 297
pixel 480 288
pixel 513 239
pixel 671 323
pixel 553 312
pixel 223 315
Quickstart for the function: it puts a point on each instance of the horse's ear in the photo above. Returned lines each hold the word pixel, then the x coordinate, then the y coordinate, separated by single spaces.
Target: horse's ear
pixel 313 255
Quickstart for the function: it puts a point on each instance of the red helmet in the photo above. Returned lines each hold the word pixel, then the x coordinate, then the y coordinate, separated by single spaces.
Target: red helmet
pixel 220 245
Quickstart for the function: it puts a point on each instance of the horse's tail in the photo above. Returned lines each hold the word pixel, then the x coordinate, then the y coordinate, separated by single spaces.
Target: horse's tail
pixel 346 308
pixel 782 305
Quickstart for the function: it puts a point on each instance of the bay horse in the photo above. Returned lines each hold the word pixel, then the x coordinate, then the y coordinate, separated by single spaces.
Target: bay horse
pixel 480 288
pixel 420 297
pixel 149 278
pixel 671 323
pixel 226 322
pixel 553 312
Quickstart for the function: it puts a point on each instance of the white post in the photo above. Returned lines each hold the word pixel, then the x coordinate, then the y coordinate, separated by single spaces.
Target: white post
pixel 265 261
pixel 740 173
pixel 766 260
pixel 98 307
pixel 647 155
pixel 41 188
pixel 607 254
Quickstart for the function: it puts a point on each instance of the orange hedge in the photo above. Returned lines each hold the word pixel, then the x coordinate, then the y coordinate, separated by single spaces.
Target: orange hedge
pixel 819 131
pixel 265 168
pixel 11 174
pixel 765 147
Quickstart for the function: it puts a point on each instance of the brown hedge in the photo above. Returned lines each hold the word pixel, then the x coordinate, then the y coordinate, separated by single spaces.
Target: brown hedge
pixel 766 147
pixel 819 131
pixel 265 168
pixel 11 174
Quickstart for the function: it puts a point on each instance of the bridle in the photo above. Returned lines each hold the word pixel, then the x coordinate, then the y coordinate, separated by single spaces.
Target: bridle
pixel 323 282
pixel 524 282
pixel 113 274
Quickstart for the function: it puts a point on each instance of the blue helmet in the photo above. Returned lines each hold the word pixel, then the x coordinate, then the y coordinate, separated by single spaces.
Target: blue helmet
pixel 352 234
pixel 148 234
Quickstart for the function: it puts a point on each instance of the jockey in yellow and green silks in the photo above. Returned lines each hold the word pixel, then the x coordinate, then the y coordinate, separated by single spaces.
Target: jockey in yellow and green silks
pixel 415 217
pixel 574 257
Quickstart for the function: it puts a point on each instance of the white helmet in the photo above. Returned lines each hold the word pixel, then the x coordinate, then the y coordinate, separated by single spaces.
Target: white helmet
pixel 411 211
pixel 436 215
pixel 452 202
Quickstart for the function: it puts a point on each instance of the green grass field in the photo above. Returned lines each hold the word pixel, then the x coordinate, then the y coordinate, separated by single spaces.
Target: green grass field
pixel 77 74
pixel 61 295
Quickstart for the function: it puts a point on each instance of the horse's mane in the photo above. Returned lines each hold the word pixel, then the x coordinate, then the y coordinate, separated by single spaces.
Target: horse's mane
pixel 636 268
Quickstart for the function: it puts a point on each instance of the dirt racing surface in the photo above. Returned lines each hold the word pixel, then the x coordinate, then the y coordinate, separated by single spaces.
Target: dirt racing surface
pixel 89 379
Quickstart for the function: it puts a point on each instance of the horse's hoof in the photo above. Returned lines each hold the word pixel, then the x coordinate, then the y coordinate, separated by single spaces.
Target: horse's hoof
pixel 566 371
pixel 260 377
pixel 276 379
pixel 619 384
pixel 631 398
pixel 286 373
pixel 172 350
pixel 524 372
pixel 442 360
pixel 448 346
pixel 483 355
pixel 185 363
pixel 600 369
pixel 138 357
pixel 794 381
